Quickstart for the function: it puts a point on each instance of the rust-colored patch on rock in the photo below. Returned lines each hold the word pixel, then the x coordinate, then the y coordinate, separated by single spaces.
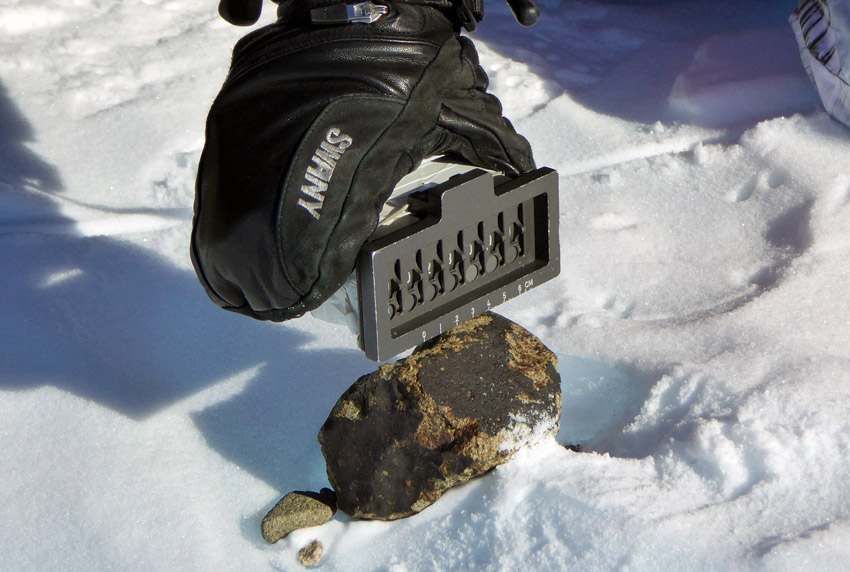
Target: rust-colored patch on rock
pixel 530 357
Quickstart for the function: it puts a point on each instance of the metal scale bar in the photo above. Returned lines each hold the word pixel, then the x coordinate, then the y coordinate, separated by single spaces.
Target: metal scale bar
pixel 470 244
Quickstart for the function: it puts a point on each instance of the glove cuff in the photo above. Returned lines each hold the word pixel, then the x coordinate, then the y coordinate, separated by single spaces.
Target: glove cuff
pixel 466 12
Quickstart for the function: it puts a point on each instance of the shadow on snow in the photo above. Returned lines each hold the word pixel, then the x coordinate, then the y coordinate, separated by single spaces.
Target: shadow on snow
pixel 115 324
pixel 624 58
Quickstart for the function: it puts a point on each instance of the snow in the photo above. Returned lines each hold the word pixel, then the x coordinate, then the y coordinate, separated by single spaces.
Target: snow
pixel 701 319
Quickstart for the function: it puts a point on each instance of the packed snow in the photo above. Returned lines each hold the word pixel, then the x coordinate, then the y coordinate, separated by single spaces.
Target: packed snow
pixel 701 318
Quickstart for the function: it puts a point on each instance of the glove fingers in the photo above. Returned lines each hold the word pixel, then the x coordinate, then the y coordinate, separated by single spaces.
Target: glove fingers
pixel 241 12
pixel 471 123
pixel 483 138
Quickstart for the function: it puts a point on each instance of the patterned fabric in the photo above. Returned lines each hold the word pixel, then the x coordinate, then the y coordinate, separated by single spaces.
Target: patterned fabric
pixel 823 33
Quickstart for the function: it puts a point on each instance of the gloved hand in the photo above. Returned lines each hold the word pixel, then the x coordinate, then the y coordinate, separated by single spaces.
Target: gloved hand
pixel 318 119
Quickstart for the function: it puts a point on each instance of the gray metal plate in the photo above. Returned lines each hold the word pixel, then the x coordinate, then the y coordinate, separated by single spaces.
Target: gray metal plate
pixel 475 242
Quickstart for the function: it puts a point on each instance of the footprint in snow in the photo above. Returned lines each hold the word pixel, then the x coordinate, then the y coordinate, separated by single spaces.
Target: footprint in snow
pixel 838 196
pixel 613 222
pixel 760 182
pixel 623 308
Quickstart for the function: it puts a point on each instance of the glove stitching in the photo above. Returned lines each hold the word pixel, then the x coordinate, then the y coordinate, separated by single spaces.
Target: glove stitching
pixel 408 103
pixel 279 230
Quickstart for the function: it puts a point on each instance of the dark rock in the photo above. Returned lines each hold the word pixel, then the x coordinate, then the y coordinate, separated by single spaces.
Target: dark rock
pixel 457 407
pixel 300 509
pixel 311 554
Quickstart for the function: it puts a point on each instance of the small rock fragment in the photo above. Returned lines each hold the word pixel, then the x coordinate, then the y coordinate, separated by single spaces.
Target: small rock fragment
pixel 460 405
pixel 311 554
pixel 299 509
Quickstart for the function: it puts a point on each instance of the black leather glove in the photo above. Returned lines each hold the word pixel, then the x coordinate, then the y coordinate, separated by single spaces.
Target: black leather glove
pixel 316 123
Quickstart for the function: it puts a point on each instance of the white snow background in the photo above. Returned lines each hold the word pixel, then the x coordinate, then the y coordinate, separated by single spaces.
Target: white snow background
pixel 701 319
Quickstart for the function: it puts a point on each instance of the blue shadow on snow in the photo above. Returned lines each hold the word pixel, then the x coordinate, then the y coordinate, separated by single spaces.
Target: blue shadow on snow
pixel 117 325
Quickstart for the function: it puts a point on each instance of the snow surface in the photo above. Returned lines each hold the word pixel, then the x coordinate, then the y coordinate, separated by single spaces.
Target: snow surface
pixel 702 317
